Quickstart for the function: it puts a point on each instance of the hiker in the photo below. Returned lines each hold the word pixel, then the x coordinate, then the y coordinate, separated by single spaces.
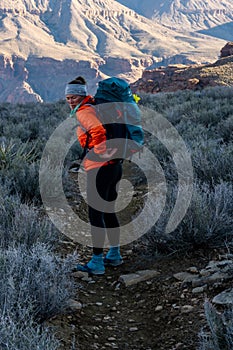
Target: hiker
pixel 103 175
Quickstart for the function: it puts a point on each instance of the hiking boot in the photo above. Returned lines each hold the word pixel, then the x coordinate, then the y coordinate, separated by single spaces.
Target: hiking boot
pixel 113 257
pixel 113 262
pixel 94 267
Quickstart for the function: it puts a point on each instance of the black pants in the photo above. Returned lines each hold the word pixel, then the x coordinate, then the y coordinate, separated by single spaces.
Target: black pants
pixel 101 197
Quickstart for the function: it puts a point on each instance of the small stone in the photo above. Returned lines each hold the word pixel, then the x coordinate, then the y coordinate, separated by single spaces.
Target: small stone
pixel 98 303
pixel 74 305
pixel 133 329
pixel 193 269
pixel 80 274
pixel 117 286
pixel 186 309
pixel 199 289
pixel 86 279
pixel 205 273
pixel 130 320
pixel 138 276
pixel 184 276
pixel 158 308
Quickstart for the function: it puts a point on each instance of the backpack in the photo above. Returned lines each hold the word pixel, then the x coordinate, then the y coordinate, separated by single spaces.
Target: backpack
pixel 120 115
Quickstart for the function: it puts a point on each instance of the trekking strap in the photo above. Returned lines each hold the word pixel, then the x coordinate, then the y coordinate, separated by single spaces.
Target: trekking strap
pixel 72 114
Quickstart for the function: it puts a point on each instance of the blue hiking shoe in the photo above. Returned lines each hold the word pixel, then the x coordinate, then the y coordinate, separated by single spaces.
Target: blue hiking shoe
pixel 94 267
pixel 113 257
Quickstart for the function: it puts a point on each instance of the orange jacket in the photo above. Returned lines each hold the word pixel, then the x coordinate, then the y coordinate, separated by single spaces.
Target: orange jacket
pixel 90 132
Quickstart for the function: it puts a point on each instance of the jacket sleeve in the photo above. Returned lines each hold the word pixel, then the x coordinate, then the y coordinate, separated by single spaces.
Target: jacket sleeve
pixel 90 123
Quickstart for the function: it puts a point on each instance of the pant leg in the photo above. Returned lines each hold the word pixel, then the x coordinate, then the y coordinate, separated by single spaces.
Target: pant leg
pixel 110 218
pixel 105 179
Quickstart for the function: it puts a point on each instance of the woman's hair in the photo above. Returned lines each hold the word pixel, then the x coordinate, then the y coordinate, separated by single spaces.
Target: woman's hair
pixel 79 80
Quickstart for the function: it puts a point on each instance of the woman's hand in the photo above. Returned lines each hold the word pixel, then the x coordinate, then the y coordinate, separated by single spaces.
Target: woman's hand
pixel 108 154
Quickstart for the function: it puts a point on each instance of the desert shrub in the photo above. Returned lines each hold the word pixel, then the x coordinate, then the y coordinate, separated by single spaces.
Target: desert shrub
pixel 203 120
pixel 23 224
pixel 12 154
pixel 218 334
pixel 25 335
pixel 192 132
pixel 208 221
pixel 207 107
pixel 212 160
pixel 19 166
pixel 225 129
pixel 31 122
pixel 162 101
pixel 35 280
pixel 23 179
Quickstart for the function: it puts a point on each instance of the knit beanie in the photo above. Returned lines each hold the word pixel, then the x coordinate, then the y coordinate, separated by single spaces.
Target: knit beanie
pixel 76 87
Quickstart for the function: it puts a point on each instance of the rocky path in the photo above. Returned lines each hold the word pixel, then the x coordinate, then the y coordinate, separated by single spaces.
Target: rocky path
pixel 162 312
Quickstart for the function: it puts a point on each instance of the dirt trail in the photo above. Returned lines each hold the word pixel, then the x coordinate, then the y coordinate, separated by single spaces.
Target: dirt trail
pixel 158 314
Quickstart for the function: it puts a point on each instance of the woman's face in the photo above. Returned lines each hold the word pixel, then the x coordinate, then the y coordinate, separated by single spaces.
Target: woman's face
pixel 73 100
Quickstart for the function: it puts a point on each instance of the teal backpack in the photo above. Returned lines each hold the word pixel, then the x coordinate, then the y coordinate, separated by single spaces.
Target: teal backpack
pixel 119 113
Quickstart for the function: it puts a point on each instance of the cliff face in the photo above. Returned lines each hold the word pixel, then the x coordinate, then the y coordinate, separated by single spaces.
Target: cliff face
pixel 181 77
pixel 45 82
pixel 43 79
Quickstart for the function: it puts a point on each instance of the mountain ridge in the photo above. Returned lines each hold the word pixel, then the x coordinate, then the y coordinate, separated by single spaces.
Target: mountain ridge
pixel 92 37
pixel 185 15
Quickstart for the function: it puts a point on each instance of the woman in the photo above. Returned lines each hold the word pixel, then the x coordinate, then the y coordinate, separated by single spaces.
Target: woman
pixel 103 174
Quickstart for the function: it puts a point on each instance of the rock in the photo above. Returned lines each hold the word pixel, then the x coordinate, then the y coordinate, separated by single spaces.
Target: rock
pixel 117 286
pixel 158 308
pixel 186 309
pixel 183 276
pixel 133 329
pixel 199 289
pixel 86 279
pixel 74 305
pixel 193 269
pixel 80 274
pixel 139 276
pixel 130 320
pixel 193 77
pixel 224 298
pixel 186 278
pixel 227 50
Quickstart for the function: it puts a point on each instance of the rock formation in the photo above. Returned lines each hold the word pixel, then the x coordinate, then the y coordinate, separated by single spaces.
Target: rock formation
pixel 227 50
pixel 44 44
pixel 194 77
